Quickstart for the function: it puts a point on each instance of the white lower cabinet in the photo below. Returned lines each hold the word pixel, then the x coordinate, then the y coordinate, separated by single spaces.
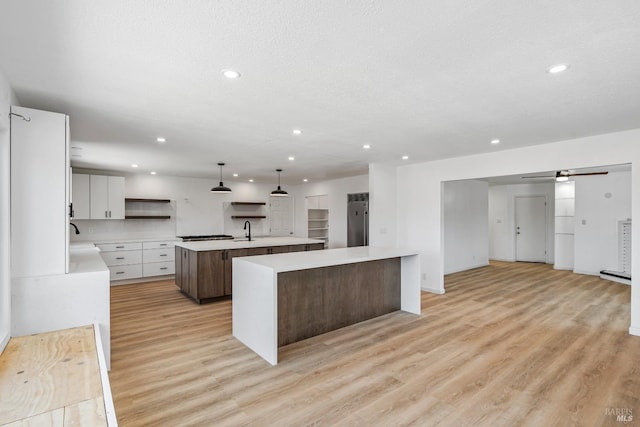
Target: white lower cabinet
pixel 121 272
pixel 132 260
pixel 158 268
pixel 158 258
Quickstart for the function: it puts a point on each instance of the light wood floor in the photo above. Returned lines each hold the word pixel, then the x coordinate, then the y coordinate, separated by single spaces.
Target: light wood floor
pixel 508 345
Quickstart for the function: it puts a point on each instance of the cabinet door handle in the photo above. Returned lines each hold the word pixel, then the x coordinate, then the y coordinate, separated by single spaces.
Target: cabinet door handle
pixel 163 268
pixel 163 244
pixel 120 257
pixel 105 214
pixel 109 214
pixel 119 247
pixel 163 254
pixel 119 272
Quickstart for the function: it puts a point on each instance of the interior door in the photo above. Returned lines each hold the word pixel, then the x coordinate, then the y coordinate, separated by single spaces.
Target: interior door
pixel 281 214
pixel 531 229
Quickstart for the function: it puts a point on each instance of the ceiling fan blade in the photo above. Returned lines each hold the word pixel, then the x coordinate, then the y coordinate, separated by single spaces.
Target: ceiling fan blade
pixel 545 176
pixel 587 173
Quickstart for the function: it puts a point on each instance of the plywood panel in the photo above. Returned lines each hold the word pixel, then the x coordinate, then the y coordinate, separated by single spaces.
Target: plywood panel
pixel 43 372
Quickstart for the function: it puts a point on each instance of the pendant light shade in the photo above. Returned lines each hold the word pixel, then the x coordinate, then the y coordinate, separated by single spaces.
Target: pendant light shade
pixel 221 188
pixel 279 191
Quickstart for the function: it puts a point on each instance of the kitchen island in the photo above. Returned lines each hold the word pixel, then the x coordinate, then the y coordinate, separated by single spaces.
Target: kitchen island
pixel 203 270
pixel 284 298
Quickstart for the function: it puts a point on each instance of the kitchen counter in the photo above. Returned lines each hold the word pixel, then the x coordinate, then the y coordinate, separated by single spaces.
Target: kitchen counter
pixel 315 259
pixel 204 270
pixel 256 242
pixel 283 298
pixel 85 258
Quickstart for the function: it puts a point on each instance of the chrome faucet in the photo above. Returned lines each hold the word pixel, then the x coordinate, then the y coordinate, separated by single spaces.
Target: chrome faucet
pixel 248 235
pixel 74 226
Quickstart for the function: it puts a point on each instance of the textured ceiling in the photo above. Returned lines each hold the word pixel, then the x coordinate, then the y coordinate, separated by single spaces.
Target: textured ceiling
pixel 429 80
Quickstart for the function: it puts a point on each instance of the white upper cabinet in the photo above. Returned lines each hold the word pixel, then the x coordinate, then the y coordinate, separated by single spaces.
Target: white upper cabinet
pixel 81 188
pixel 318 202
pixel 39 192
pixel 106 197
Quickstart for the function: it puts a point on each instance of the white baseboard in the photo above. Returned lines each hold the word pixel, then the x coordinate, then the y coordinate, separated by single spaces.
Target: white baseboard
pixel 142 280
pixel 471 267
pixel 634 331
pixel 588 273
pixel 433 291
pixel 4 342
pixel 503 259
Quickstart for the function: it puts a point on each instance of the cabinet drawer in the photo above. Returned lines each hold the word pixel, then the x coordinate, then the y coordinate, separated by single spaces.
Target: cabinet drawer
pixel 110 247
pixel 122 257
pixel 158 245
pixel 121 272
pixel 158 255
pixel 158 268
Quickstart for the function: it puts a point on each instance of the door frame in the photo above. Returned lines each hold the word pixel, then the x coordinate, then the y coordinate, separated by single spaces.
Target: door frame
pixel 546 225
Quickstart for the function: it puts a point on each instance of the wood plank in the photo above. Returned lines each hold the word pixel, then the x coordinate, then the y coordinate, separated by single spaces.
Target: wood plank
pixel 507 344
pixel 318 300
pixel 44 372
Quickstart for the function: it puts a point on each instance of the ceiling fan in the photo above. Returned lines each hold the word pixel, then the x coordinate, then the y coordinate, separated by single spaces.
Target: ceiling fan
pixel 564 175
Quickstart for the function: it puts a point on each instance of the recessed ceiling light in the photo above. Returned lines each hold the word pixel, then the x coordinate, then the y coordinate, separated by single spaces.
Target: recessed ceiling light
pixel 230 74
pixel 235 175
pixel 161 139
pixel 495 141
pixel 134 165
pixel 251 180
pixel 405 157
pixel 152 172
pixel 305 180
pixel 297 132
pixel 291 158
pixel 366 146
pixel 558 68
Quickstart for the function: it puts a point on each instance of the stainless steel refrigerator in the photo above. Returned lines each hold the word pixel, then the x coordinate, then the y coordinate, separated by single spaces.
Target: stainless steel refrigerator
pixel 358 220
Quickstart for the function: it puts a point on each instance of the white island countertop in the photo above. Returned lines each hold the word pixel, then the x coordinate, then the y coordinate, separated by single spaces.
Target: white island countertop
pixel 313 259
pixel 256 242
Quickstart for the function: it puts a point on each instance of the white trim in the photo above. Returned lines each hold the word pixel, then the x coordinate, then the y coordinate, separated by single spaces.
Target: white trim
pixel 634 331
pixel 485 264
pixel 587 273
pixel 109 408
pixel 433 291
pixel 142 280
pixel 4 342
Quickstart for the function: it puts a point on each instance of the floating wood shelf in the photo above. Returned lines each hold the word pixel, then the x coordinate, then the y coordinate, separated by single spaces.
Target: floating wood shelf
pixel 147 216
pixel 248 216
pixel 148 200
pixel 248 203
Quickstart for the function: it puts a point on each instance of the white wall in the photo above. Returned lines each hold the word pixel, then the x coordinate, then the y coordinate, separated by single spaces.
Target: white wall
pixel 7 97
pixel 195 210
pixel 337 190
pixel 466 228
pixel 382 186
pixel 419 192
pixel 601 201
pixel 502 215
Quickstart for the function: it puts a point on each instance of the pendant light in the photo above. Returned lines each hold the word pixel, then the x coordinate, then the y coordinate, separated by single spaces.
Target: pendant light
pixel 221 188
pixel 279 191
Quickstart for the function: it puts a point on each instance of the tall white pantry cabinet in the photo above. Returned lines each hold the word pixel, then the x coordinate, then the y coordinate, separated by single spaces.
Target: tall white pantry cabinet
pixel 40 182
